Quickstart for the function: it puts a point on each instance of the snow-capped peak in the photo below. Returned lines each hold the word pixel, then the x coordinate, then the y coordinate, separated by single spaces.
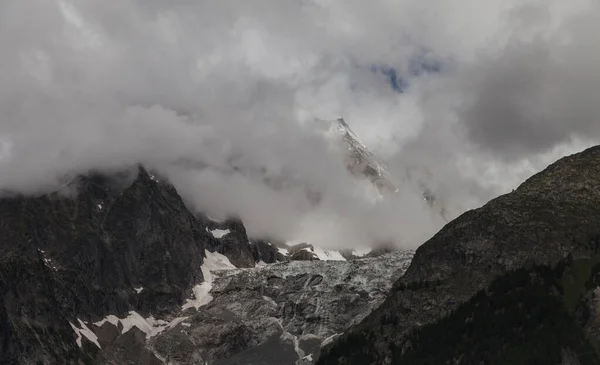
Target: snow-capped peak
pixel 359 160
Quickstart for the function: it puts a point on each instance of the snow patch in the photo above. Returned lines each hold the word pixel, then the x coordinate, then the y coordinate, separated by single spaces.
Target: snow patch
pixel 214 262
pixel 328 254
pixel 156 322
pixel 136 320
pixel 323 254
pixel 290 337
pixel 218 233
pixel 84 331
pixel 49 264
pixel 150 326
pixel 329 339
pixel 174 322
pixel 114 320
pixel 360 252
pixel 201 294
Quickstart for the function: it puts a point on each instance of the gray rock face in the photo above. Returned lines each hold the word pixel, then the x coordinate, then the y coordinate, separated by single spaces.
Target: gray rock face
pixel 128 348
pixel 303 255
pixel 302 252
pixel 551 215
pixel 63 258
pixel 288 309
pixel 234 244
pixel 265 251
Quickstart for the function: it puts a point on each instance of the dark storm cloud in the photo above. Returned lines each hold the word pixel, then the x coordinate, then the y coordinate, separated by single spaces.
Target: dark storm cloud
pixel 536 93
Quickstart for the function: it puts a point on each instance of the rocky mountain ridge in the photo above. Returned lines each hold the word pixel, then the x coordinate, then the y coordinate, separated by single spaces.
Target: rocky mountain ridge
pixel 552 215
pixel 68 257
pixel 115 269
pixel 122 272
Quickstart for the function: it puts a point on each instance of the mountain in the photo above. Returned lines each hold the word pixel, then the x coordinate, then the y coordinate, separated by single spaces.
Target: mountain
pixel 64 258
pixel 115 269
pixel 361 162
pixel 551 219
pixel 117 245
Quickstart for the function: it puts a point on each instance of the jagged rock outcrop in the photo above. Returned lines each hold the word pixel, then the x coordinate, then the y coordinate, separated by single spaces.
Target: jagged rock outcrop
pixel 553 214
pixel 230 239
pixel 302 252
pixel 265 251
pixel 83 256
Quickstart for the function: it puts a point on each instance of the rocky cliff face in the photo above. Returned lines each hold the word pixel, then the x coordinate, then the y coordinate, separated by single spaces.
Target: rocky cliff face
pixel 230 239
pixel 116 270
pixel 109 249
pixel 554 214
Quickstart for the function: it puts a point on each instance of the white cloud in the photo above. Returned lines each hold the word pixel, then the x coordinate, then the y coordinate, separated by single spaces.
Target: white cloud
pixel 96 84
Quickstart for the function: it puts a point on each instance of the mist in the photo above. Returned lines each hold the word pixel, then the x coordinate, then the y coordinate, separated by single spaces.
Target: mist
pixel 221 96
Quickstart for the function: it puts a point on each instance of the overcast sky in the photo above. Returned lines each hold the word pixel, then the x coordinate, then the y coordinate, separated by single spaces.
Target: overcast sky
pixel 474 96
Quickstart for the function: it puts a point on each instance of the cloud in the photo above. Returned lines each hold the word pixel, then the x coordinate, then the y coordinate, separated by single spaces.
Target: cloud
pixel 221 96
pixel 540 91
